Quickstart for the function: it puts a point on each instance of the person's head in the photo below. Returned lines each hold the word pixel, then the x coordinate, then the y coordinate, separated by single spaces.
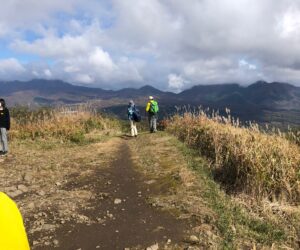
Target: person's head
pixel 131 102
pixel 2 103
pixel 151 97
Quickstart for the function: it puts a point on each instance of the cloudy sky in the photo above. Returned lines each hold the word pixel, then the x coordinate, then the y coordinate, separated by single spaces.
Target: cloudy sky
pixel 170 44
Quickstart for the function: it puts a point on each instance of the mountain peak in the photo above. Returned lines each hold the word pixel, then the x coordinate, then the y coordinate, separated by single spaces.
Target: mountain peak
pixel 260 82
pixel 264 84
pixel 149 87
pixel 52 83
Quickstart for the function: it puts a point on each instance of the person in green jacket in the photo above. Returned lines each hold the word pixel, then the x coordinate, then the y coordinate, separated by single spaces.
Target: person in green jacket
pixel 152 110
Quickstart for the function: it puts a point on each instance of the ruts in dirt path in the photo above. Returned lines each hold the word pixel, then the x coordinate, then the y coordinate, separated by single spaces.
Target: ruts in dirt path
pixel 125 219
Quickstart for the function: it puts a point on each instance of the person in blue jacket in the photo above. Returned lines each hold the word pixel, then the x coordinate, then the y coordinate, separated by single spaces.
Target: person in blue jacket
pixel 131 112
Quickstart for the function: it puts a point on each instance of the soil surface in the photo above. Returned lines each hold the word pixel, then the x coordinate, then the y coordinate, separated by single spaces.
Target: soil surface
pixel 125 218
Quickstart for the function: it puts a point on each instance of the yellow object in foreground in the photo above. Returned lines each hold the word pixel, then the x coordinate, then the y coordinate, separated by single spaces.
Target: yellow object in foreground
pixel 12 232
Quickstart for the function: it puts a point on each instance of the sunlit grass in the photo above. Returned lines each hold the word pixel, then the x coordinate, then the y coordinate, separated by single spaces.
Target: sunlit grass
pixel 61 123
pixel 247 159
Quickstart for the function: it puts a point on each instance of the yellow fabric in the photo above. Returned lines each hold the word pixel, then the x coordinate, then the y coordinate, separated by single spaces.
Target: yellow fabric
pixel 148 106
pixel 12 232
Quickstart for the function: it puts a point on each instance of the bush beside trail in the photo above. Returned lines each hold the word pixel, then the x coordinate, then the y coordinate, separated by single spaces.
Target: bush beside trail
pixel 243 159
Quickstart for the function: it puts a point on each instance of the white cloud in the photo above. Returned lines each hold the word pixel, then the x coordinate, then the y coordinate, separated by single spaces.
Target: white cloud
pixel 176 82
pixel 114 43
pixel 47 73
pixel 289 24
pixel 244 64
pixel 53 47
pixel 71 69
pixel 82 55
pixel 10 68
pixel 4 30
pixel 25 13
pixel 83 78
pixel 35 73
pixel 101 59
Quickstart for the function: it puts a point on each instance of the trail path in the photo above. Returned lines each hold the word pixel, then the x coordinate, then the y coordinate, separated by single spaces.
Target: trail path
pixel 125 218
pixel 112 194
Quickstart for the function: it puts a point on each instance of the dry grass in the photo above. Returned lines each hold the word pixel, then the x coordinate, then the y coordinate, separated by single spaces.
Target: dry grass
pixel 185 187
pixel 244 159
pixel 63 124
pixel 293 135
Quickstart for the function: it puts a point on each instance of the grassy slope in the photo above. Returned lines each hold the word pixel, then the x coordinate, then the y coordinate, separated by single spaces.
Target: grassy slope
pixel 245 159
pixel 186 187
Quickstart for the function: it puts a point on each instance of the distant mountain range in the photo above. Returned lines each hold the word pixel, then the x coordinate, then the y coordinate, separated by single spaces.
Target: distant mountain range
pixel 274 102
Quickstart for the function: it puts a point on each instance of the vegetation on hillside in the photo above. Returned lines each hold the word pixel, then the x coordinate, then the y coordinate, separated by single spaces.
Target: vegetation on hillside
pixel 186 187
pixel 294 135
pixel 61 123
pixel 243 159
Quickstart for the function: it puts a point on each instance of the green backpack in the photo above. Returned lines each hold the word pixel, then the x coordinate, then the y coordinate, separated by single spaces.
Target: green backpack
pixel 153 107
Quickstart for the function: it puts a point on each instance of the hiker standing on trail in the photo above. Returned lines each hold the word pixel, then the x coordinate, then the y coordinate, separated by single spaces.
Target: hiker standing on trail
pixel 132 116
pixel 152 110
pixel 4 127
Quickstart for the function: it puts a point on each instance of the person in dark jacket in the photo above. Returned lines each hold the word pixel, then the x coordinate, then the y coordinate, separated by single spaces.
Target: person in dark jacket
pixel 130 112
pixel 4 127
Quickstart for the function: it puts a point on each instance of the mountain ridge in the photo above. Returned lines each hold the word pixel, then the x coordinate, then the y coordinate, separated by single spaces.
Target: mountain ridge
pixel 43 84
pixel 247 102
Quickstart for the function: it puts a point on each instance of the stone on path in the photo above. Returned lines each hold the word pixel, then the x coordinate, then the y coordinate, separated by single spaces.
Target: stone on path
pixel 28 177
pixel 150 182
pixel 23 188
pixel 14 194
pixel 117 201
pixel 55 242
pixel 193 239
pixel 31 205
pixel 153 247
pixel 192 248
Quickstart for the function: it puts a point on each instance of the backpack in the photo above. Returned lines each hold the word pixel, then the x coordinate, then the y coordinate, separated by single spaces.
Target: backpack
pixel 153 107
pixel 136 115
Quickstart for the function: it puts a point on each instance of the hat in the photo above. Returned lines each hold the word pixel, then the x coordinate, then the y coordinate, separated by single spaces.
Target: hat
pixel 150 97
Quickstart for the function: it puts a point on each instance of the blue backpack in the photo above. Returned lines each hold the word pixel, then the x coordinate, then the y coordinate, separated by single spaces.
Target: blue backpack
pixel 136 115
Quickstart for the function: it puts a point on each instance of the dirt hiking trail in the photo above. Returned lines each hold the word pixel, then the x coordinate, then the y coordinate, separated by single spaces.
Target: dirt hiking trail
pixel 128 220
pixel 114 193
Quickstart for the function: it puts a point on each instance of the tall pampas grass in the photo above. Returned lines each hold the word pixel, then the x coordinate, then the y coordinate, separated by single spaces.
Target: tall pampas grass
pixel 245 159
